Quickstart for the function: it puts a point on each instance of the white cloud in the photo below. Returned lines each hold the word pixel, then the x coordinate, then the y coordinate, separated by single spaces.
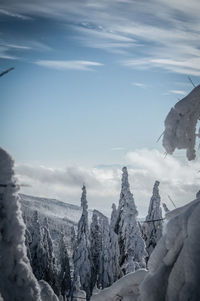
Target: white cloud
pixel 139 85
pixel 13 15
pixel 168 39
pixel 179 92
pixel 179 179
pixel 69 65
pixel 187 66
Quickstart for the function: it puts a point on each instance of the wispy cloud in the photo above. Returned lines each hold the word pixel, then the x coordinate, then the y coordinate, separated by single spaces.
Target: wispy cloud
pixel 139 85
pixel 187 66
pixel 179 92
pixel 69 65
pixel 14 15
pixel 168 40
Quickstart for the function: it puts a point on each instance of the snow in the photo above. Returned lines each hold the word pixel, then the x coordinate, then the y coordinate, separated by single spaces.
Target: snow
pixel 16 277
pixel 174 265
pixel 180 124
pixel 82 256
pixel 131 243
pixel 47 293
pixel 126 288
pixel 78 293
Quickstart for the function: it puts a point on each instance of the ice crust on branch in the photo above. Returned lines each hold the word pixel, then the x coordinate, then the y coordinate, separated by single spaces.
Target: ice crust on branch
pixel 180 124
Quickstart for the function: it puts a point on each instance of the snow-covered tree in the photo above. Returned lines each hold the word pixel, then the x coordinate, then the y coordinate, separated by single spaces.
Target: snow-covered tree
pixel 28 240
pixel 105 264
pixel 38 254
pixel 64 275
pixel 131 243
pixel 82 258
pixel 50 271
pixel 17 281
pixel 95 248
pixel 73 240
pixel 154 222
pixel 78 294
pixel 115 253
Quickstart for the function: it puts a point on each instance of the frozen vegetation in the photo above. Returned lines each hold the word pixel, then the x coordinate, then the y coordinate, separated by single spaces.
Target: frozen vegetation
pixel 53 258
pixel 17 281
pixel 152 227
pixel 180 124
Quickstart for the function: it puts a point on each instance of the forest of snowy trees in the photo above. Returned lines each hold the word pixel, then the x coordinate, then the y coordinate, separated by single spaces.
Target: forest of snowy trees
pixel 103 251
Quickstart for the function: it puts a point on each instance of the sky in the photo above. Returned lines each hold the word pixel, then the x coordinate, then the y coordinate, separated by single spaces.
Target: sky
pixel 92 85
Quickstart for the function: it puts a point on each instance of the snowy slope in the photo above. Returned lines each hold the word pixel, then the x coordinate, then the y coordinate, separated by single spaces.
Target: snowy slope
pixel 61 216
pixel 51 208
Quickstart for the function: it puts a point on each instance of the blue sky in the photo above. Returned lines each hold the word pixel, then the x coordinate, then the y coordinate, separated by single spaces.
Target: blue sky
pixel 93 80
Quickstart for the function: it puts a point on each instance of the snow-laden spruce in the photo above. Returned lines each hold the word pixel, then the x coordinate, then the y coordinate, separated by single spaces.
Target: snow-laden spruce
pixel 73 240
pixel 82 258
pixel 95 248
pixel 64 274
pixel 38 254
pixel 180 124
pixel 78 293
pixel 17 281
pixel 50 271
pixel 131 243
pixel 154 221
pixel 115 252
pixel 105 265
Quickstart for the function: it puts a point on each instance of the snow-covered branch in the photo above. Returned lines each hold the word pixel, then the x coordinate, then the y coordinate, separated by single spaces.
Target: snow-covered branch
pixel 180 124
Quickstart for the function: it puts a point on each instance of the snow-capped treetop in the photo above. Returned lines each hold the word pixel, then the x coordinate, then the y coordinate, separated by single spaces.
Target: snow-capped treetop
pixel 6 167
pixel 83 222
pixel 84 204
pixel 126 196
pixel 166 209
pixel 154 211
pixel 180 124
